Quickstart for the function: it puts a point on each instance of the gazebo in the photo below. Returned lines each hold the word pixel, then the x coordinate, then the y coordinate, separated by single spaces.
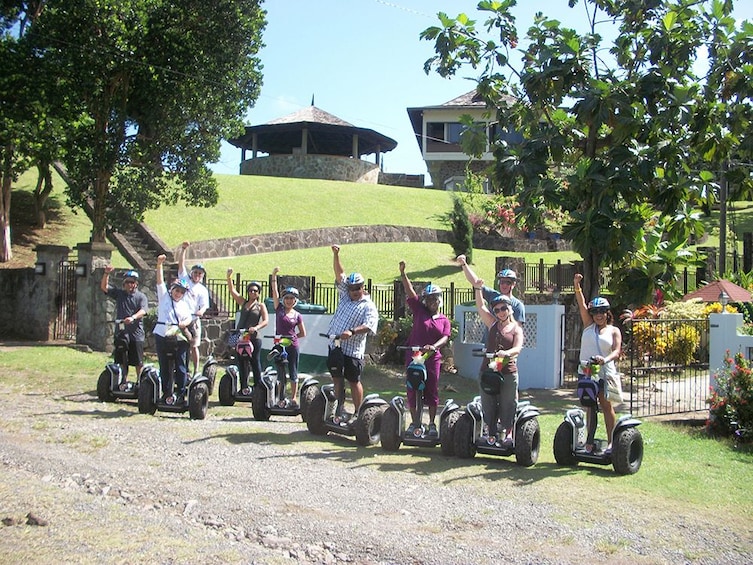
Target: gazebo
pixel 312 143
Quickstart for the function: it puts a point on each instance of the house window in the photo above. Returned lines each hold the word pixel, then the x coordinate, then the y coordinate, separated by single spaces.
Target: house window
pixel 497 133
pixel 435 131
pixel 453 132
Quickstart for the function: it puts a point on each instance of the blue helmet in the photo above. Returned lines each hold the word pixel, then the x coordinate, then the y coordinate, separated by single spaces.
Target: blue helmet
pixel 598 304
pixel 501 299
pixel 199 267
pixel 507 274
pixel 431 289
pixel 290 291
pixel 354 279
pixel 131 275
pixel 180 283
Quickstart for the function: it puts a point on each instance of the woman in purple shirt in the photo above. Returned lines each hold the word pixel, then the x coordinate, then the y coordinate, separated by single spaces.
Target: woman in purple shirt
pixel 288 323
pixel 430 331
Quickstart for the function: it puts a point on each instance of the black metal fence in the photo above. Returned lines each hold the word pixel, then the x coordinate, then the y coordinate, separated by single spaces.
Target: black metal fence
pixel 664 365
pixel 65 325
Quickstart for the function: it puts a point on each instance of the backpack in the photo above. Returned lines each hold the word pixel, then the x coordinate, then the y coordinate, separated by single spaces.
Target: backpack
pixel 588 391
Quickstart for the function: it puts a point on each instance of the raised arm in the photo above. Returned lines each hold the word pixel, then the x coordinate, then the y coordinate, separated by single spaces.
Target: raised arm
pixel 275 289
pixel 410 292
pixel 486 316
pixel 470 276
pixel 182 259
pixel 336 264
pixel 581 300
pixel 239 300
pixel 160 274
pixel 104 283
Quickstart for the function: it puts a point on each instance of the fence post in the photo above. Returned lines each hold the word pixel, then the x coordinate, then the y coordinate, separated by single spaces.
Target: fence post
pixel 541 275
pixel 452 298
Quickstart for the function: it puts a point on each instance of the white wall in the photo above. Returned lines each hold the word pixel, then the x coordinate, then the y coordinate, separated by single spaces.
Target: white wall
pixel 540 364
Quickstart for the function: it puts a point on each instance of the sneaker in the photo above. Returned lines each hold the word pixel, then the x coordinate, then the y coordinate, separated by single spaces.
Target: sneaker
pixel 292 404
pixel 507 442
pixel 433 430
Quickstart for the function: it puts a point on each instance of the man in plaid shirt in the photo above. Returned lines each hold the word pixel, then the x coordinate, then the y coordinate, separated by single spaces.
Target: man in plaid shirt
pixel 354 319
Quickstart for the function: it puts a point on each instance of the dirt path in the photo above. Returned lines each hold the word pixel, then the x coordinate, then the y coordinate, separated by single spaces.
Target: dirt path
pixel 110 485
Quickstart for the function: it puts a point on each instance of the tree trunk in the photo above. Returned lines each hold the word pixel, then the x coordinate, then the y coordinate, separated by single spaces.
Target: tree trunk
pixel 6 254
pixel 99 206
pixel 42 192
pixel 590 283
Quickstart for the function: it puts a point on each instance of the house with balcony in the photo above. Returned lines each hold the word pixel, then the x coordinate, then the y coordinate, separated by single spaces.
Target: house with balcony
pixel 438 128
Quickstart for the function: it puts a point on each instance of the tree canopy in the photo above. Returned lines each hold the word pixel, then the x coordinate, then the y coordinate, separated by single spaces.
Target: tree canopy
pixel 629 136
pixel 146 89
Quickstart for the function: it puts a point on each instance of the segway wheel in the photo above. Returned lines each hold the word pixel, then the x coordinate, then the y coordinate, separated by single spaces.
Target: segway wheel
pixel 307 397
pixel 315 416
pixel 369 425
pixel 465 448
pixel 563 445
pixel 447 433
pixel 259 403
pixel 103 387
pixel 225 390
pixel 390 433
pixel 627 451
pixel 146 397
pixel 527 443
pixel 198 401
pixel 210 372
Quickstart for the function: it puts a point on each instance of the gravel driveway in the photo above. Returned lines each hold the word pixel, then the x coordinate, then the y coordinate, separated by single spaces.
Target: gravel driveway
pixel 87 482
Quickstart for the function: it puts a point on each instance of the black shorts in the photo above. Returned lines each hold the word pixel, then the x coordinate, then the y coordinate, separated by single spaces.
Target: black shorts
pixel 135 353
pixel 352 369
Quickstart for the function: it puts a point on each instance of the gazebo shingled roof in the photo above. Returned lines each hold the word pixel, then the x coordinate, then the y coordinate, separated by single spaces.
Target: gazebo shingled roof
pixel 327 135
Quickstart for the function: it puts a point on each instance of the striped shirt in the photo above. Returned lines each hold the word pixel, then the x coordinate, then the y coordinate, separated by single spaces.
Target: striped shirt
pixel 350 314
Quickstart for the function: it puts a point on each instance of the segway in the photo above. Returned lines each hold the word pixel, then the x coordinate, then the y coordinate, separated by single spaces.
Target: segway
pixel 397 415
pixel 573 434
pixel 325 414
pixel 269 394
pixel 469 437
pixel 194 399
pixel 229 390
pixel 113 383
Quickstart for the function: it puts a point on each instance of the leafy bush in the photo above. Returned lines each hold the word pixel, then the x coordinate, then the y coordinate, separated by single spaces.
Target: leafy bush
pixel 462 230
pixel 731 399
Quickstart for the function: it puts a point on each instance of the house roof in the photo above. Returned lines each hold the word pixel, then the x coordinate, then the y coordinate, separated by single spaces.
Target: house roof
pixel 327 135
pixel 710 292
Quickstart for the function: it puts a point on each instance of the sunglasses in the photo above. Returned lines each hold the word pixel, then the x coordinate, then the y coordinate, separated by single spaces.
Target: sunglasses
pixel 594 311
pixel 506 281
pixel 356 287
pixel 500 309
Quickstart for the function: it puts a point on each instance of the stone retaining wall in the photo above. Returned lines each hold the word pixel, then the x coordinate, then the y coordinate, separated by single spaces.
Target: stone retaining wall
pixel 306 239
pixel 327 167
pixel 324 237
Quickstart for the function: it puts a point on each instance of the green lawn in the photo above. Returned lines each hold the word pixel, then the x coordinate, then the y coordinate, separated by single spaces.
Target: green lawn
pixel 683 469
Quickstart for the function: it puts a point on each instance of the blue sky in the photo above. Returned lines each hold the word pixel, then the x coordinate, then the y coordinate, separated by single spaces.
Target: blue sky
pixel 362 60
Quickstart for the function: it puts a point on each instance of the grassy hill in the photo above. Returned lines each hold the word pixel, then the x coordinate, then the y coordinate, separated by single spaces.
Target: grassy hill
pixel 252 205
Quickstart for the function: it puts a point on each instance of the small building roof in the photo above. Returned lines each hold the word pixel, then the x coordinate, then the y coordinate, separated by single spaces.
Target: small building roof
pixel 327 135
pixel 711 291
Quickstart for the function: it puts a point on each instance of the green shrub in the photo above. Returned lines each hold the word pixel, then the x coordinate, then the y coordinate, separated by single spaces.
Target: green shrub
pixel 731 399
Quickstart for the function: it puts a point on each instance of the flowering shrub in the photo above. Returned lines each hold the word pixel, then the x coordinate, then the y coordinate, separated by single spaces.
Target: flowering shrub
pixel 731 399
